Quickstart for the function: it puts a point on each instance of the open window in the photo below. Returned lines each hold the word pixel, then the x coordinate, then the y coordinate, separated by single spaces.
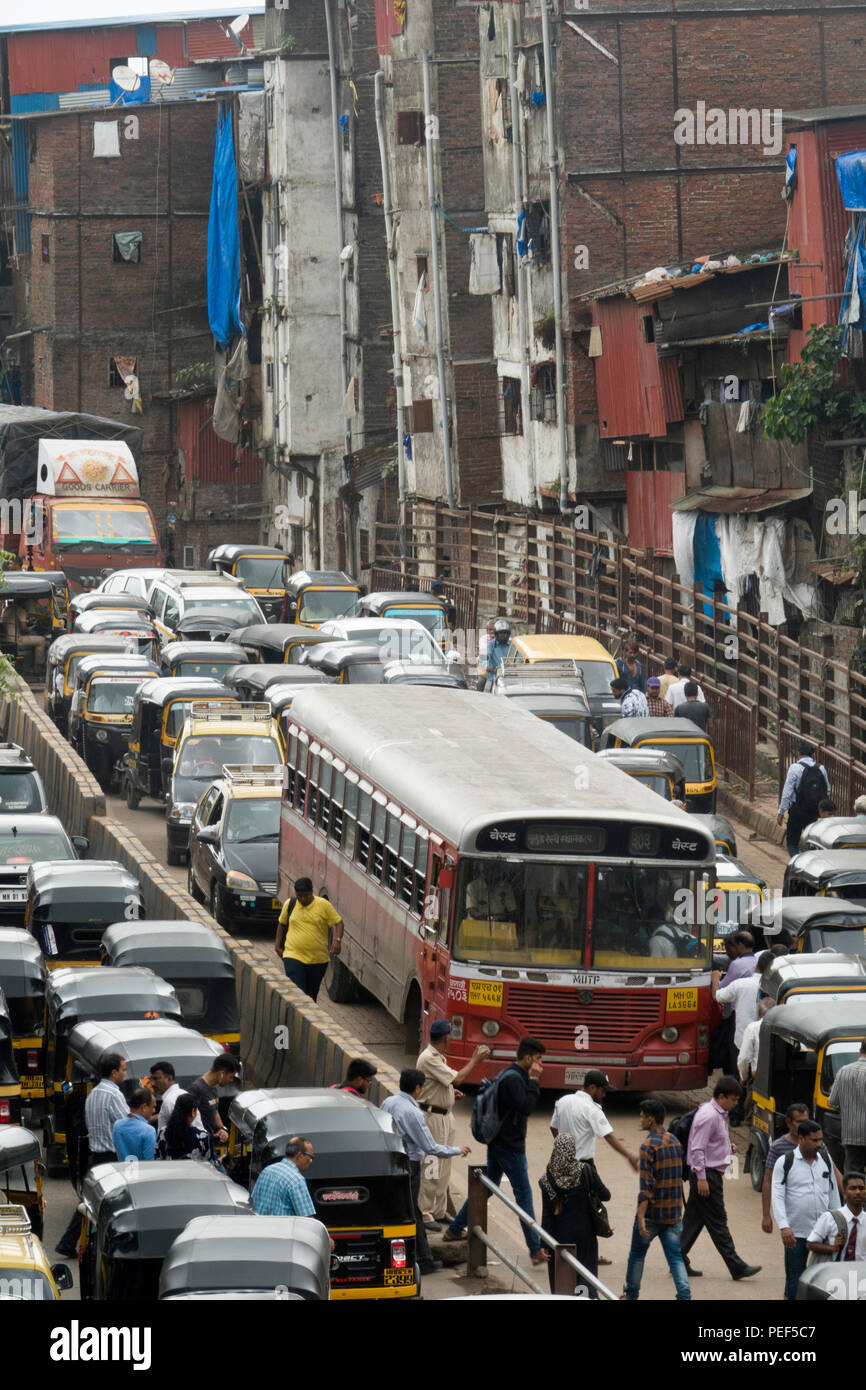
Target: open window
pixel 510 408
pixel 542 394
pixel 410 128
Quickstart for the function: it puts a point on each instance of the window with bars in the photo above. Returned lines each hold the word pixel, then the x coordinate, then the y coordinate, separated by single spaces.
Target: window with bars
pixel 542 394
pixel 312 789
pixel 365 817
pixel 376 866
pixel 510 409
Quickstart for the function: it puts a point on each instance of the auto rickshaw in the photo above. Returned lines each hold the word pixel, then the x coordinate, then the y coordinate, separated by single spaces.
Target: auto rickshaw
pixel 114 622
pixel 71 902
pixel 252 680
pixel 22 980
pixel 662 772
pixel 34 605
pixel 813 924
pixel 93 600
pixel 250 1256
pixel 133 1215
pixel 827 873
pixel 822 974
pixel 27 1275
pixel 100 713
pixel 200 660
pixel 62 661
pixel 214 624
pixel 436 614
pixel 346 663
pixel 840 1283
pixel 194 960
pixel 75 996
pixel 738 895
pixel 314 596
pixel 835 832
pixel 681 737
pixel 594 662
pixel 420 673
pixel 10 1081
pixel 278 642
pixel 259 568
pixel 159 710
pixel 802 1047
pixel 359 1182
pixel 21 1172
pixel 722 832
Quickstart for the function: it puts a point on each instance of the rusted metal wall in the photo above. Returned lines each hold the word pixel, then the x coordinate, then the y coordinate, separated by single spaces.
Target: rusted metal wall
pixel 209 459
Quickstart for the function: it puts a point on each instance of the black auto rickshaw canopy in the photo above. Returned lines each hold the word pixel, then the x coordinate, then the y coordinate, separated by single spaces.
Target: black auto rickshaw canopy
pixel 234 1253
pixel 278 642
pixel 10 1080
pixel 114 663
pixel 114 992
pixel 250 680
pixel 71 902
pixel 17 1147
pixel 22 979
pixel 347 663
pixel 123 622
pixel 835 832
pixel 215 624
pixel 315 596
pixel 200 660
pixel 352 1139
pixel 821 974
pixel 224 557
pixel 91 602
pixel 660 771
pixel 837 923
pixel 143 1042
pixel 32 583
pixel 192 958
pixel 837 873
pixel 421 673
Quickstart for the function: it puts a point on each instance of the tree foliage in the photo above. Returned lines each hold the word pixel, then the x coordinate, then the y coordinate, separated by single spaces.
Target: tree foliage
pixel 812 391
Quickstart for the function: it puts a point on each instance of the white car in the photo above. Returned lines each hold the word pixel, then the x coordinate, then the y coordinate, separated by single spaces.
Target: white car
pixel 400 639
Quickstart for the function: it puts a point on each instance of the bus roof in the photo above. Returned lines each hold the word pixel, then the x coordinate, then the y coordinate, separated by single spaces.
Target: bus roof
pixel 461 760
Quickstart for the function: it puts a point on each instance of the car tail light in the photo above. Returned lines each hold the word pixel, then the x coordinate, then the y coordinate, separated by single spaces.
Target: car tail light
pixel 32 1061
pixel 6 1116
pixel 398 1254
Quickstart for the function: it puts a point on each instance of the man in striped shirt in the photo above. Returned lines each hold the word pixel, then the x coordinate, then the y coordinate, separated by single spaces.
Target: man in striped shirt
pixel 105 1104
pixel 659 1203
pixel 849 1096
pixel 281 1189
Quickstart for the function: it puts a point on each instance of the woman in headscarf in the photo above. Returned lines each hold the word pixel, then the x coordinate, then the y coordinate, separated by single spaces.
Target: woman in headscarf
pixel 565 1209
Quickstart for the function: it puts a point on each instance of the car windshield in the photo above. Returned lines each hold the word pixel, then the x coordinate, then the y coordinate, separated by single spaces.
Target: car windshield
pixel 433 619
pixel 656 783
pixel 851 941
pixel 128 522
pixel 206 670
pixel 645 917
pixel 695 757
pixel 203 755
pixel 260 571
pixel 26 847
pixel 320 605
pixel 19 791
pixel 111 696
pixel 396 643
pixel 364 673
pixel 569 724
pixel 178 713
pixel 253 818
pixel 526 912
pixel 25 1285
pixel 233 601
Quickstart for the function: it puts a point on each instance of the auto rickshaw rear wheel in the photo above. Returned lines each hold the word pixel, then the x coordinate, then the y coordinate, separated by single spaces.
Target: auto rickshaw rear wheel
pixel 133 796
pixel 755 1165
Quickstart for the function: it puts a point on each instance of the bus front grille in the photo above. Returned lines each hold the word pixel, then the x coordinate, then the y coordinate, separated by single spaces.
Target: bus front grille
pixel 616 1020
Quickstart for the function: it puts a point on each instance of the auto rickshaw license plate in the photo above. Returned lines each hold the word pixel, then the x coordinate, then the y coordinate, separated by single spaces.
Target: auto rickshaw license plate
pixel 485 992
pixel 399 1276
pixel 682 1001
pixel 32 1083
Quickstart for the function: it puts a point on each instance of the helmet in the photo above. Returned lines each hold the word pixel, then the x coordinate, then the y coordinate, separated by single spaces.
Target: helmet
pixel 501 625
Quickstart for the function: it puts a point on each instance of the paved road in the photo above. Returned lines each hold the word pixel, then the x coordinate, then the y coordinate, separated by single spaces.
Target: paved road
pixel 370 1023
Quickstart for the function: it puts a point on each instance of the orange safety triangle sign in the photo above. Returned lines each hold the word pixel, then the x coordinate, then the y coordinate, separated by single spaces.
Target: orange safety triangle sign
pixel 67 474
pixel 122 474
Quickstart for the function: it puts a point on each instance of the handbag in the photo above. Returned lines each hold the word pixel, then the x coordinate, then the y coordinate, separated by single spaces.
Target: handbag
pixel 598 1211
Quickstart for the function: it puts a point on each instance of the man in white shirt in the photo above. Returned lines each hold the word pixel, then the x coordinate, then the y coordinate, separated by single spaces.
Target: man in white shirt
pixel 804 1188
pixel 676 693
pixel 580 1115
pixel 747 1059
pixel 162 1080
pixel 844 1239
pixel 743 994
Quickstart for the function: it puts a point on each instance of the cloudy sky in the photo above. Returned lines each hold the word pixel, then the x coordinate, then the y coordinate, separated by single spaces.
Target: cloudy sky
pixel 79 12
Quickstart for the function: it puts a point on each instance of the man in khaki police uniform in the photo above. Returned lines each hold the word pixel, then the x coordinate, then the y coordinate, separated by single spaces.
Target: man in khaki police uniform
pixel 437 1101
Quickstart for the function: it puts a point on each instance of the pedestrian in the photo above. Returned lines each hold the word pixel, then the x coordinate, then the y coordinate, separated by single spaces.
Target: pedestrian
pixel 437 1101
pixel 747 1057
pixel 166 1088
pixel 222 1072
pixel 518 1094
pixel 281 1189
pixel 359 1078
pixel 105 1104
pixel 806 785
pixel 848 1096
pixel 497 650
pixel 302 937
pixel 827 807
pixel 795 1114
pixel 183 1136
pixel 633 703
pixel 708 1159
pixel 580 1114
pixel 630 668
pixel 659 1203
pixel 438 588
pixel 740 949
pixel 658 707
pixel 135 1136
pixel 409 1121
pixel 676 691
pixel 669 677
pixel 690 707
pixel 841 1234
pixel 804 1187
pixel 742 993
pixel 566 1211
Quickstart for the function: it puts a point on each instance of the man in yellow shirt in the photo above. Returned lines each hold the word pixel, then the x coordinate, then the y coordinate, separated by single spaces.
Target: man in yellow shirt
pixel 302 937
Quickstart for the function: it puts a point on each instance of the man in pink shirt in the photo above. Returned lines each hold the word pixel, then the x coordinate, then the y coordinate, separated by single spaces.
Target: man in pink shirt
pixel 709 1156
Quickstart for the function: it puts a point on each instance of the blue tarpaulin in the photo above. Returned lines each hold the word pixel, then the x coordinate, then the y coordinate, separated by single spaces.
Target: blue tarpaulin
pixel 708 556
pixel 851 173
pixel 223 240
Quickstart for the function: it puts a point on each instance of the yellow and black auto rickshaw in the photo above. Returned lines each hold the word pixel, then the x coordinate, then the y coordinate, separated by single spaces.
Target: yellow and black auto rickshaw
pixel 10 1081
pixel 835 832
pixel 21 1172
pixel 200 660
pixel 278 643
pixel 100 714
pixel 196 963
pixel 70 902
pixel 812 924
pixel 681 737
pixel 359 1182
pixel 259 569
pixel 315 596
pixel 261 1257
pixel 822 975
pixel 159 710
pixel 434 613
pixel 827 873
pixel 62 661
pixel 33 604
pixel 22 980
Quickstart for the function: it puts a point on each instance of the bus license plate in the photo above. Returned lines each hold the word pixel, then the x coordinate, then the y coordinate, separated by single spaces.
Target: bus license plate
pixel 399 1276
pixel 486 993
pixel 574 1076
pixel 682 1001
pixel 13 895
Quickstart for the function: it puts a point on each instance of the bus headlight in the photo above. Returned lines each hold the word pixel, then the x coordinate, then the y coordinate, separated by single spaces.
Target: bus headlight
pixel 490 1028
pixel 670 1035
pixel 683 1058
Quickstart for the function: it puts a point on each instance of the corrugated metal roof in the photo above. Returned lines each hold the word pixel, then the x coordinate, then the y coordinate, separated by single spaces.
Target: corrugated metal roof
pixel 736 500
pixel 70 101
pixel 54 14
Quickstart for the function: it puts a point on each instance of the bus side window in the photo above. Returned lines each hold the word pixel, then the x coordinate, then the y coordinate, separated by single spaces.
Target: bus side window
pixel 312 787
pixel 392 852
pixel 323 801
pixel 419 890
pixel 335 829
pixel 291 764
pixel 407 861
pixel 377 857
pixel 350 818
pixel 301 776
pixel 365 816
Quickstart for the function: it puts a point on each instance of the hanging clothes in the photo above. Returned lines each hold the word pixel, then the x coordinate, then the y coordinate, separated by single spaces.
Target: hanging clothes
pixel 419 310
pixel 496 119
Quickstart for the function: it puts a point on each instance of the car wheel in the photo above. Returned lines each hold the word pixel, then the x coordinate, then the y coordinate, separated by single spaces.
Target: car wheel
pixel 191 886
pixel 214 906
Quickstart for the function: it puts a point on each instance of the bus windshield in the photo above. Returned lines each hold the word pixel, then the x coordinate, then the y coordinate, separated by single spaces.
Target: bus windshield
pixel 645 918
pixel 695 757
pixel 260 571
pixel 94 521
pixel 531 912
pixel 320 605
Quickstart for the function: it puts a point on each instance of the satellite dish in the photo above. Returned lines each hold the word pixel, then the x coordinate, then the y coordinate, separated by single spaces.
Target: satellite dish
pixel 238 25
pixel 124 78
pixel 161 72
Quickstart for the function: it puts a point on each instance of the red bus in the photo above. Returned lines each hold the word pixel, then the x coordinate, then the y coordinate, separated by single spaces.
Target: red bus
pixel 495 873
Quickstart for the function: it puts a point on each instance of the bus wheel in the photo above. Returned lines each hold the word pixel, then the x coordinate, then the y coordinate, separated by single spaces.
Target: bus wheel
pixel 414 1030
pixel 755 1165
pixel 341 984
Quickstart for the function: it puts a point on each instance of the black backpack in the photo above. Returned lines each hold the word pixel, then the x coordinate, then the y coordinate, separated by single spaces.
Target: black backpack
pixel 811 790
pixel 681 1128
pixel 788 1163
pixel 486 1120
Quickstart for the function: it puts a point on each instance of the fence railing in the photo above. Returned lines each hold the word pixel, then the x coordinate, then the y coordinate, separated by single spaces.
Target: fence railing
pixel 566 1267
pixel 461 595
pixel 556 579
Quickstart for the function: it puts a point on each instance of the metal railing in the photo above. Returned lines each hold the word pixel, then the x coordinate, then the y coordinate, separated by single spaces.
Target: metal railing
pixel 566 1267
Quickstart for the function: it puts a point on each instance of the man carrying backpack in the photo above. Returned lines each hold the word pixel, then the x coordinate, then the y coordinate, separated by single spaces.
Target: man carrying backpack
pixel 806 785
pixel 804 1187
pixel 499 1120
